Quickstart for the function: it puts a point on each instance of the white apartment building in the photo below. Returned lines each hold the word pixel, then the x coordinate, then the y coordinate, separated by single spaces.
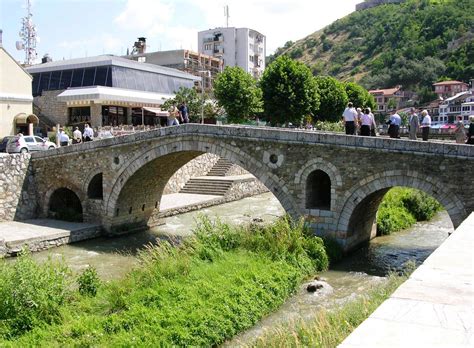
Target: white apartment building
pixel 242 47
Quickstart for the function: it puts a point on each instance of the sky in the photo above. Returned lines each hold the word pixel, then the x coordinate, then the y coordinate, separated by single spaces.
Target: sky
pixel 79 28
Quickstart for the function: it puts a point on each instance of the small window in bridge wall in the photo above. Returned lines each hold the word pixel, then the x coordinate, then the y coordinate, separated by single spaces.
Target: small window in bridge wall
pixel 94 190
pixel 318 191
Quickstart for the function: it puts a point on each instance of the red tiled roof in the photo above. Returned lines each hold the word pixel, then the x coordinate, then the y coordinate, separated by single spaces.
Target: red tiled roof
pixel 452 82
pixel 388 91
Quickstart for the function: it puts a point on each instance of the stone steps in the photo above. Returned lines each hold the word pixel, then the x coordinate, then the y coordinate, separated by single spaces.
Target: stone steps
pixel 207 186
pixel 221 168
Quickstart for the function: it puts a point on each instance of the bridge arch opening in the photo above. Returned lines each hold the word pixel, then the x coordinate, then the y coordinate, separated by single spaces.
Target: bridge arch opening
pixel 65 205
pixel 95 189
pixel 318 190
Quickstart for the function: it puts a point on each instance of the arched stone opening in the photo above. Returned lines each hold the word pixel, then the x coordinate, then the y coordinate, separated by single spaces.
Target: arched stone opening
pixel 318 191
pixel 65 205
pixel 95 189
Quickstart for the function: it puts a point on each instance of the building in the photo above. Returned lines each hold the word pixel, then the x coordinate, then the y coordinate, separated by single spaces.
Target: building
pixel 373 3
pixel 16 110
pixel 446 89
pixel 241 47
pixel 390 99
pixel 104 90
pixel 460 104
pixel 194 63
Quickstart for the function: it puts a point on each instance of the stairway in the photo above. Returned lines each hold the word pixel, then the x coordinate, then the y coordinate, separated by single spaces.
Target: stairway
pixel 204 186
pixel 221 168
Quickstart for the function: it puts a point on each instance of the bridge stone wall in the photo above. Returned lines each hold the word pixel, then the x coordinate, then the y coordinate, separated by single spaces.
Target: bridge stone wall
pixel 136 169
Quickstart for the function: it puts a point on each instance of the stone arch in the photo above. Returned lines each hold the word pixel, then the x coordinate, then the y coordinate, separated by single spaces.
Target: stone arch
pixel 67 185
pixel 362 200
pixel 64 204
pixel 95 188
pixel 301 178
pixel 197 147
pixel 318 191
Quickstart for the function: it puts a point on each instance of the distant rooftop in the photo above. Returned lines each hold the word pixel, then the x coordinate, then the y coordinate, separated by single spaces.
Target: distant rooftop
pixel 386 91
pixel 105 60
pixel 452 82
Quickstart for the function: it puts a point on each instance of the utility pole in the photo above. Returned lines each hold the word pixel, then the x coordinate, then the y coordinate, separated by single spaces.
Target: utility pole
pixel 226 15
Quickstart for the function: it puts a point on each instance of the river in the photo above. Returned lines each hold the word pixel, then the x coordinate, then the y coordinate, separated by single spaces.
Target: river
pixel 114 257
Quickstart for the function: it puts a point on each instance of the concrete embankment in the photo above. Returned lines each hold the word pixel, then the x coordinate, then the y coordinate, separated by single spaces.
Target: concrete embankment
pixel 434 307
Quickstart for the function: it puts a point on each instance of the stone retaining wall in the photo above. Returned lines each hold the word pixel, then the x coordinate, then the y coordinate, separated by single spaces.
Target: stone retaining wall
pixel 17 188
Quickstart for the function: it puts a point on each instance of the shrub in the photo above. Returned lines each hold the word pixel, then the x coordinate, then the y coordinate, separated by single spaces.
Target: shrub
pixel 333 249
pixel 31 294
pixel 420 205
pixel 88 282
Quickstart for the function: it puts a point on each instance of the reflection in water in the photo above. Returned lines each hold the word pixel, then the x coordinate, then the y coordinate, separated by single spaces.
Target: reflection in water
pixel 113 257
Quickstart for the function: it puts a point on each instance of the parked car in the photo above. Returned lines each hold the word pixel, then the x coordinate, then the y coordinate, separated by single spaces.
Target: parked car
pixel 4 142
pixel 28 143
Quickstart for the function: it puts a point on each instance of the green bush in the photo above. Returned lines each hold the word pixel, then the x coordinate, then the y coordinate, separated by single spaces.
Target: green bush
pixel 421 206
pixel 31 294
pixel 333 249
pixel 88 282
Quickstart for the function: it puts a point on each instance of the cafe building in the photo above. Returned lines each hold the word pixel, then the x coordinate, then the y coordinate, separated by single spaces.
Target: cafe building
pixel 104 91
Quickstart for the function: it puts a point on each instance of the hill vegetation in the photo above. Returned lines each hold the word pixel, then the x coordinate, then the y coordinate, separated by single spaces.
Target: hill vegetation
pixel 413 44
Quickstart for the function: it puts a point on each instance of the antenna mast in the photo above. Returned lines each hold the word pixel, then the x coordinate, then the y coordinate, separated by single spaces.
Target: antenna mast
pixel 28 37
pixel 226 15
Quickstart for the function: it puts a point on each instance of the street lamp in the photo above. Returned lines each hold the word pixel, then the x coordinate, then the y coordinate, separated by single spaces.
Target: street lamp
pixel 208 74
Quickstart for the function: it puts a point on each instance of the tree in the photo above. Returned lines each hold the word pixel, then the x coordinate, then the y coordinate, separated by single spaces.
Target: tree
pixel 356 94
pixel 289 91
pixel 237 92
pixel 333 98
pixel 193 101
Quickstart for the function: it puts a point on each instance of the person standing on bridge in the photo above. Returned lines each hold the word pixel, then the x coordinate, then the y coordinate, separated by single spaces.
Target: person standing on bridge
pixel 470 133
pixel 76 136
pixel 413 124
pixel 183 110
pixel 460 132
pixel 88 133
pixel 394 126
pixel 366 123
pixel 425 125
pixel 350 119
pixel 173 116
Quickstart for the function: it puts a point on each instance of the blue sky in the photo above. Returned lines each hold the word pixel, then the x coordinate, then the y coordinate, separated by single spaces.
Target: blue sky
pixel 78 28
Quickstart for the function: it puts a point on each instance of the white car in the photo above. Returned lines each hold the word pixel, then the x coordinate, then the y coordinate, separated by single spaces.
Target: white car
pixel 28 143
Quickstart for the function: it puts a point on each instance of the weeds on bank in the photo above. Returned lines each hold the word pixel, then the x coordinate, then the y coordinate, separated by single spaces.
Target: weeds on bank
pixel 198 292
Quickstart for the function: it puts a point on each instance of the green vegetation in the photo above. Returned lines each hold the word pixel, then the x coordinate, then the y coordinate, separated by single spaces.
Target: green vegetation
pixel 413 44
pixel 197 293
pixel 333 98
pixel 237 92
pixel 402 207
pixel 330 328
pixel 289 92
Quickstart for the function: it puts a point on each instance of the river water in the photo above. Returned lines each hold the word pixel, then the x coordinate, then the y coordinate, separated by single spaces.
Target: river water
pixel 114 257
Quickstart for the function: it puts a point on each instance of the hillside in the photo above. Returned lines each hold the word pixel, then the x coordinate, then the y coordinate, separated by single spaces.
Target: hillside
pixel 412 44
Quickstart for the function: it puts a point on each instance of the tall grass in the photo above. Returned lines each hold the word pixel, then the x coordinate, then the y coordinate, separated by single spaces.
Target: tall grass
pixel 198 292
pixel 402 207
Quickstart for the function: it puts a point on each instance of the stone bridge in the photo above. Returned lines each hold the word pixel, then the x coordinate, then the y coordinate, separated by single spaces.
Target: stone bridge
pixel 336 182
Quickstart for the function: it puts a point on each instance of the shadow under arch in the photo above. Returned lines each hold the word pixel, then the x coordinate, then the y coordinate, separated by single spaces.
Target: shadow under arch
pixel 159 163
pixel 64 204
pixel 362 201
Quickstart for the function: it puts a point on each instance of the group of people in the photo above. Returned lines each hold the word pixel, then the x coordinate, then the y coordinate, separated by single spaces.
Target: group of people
pixel 77 136
pixel 363 120
pixel 178 114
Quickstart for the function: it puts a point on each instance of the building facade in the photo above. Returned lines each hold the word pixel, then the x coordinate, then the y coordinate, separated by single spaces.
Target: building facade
pixel 448 89
pixel 104 90
pixel 194 63
pixel 241 47
pixel 390 99
pixel 16 110
pixel 461 104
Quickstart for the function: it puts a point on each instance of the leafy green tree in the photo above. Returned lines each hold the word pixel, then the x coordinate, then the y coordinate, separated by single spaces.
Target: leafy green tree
pixel 237 92
pixel 333 98
pixel 192 99
pixel 289 91
pixel 356 94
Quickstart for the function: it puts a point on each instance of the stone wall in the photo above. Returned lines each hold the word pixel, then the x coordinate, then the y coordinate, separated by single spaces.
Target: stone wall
pixel 199 166
pixel 50 106
pixel 236 170
pixel 17 188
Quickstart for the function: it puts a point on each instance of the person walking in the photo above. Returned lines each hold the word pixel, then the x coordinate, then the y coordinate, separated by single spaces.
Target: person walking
pixel 63 138
pixel 76 136
pixel 413 124
pixel 394 126
pixel 470 133
pixel 425 125
pixel 350 119
pixel 88 133
pixel 173 116
pixel 365 123
pixel 183 110
pixel 459 131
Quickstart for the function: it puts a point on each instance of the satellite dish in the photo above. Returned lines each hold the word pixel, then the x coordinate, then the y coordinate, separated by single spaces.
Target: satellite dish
pixel 19 45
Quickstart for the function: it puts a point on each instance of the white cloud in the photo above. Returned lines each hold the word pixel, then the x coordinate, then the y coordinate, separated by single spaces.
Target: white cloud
pixel 145 15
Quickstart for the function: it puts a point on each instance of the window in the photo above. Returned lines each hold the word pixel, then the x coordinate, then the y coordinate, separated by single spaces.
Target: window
pixel 55 80
pixel 251 58
pixel 114 115
pixel 89 75
pixel 318 191
pixel 141 59
pixel 101 77
pixel 79 115
pixel 66 77
pixel 95 190
pixel 77 77
pixel 207 47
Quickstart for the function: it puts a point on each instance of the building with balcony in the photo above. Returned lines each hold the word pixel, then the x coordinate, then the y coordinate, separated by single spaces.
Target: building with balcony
pixel 448 89
pixel 241 47
pixel 104 90
pixel 390 99
pixel 185 60
pixel 461 104
pixel 16 110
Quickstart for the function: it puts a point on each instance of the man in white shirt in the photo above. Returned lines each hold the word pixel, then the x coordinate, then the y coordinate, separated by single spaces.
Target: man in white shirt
pixel 394 126
pixel 88 133
pixel 350 119
pixel 77 136
pixel 63 138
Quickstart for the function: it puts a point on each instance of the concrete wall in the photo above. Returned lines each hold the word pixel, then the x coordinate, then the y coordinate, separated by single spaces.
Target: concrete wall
pixel 18 198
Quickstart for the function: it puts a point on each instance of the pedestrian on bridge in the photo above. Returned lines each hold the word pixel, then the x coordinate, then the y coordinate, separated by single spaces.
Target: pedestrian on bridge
pixel 425 125
pixel 88 133
pixel 470 133
pixel 459 131
pixel 413 124
pixel 350 119
pixel 394 123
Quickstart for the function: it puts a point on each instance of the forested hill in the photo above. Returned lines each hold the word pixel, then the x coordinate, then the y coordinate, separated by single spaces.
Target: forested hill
pixel 413 44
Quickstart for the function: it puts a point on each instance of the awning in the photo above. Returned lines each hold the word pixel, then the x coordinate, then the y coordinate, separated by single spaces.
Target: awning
pixel 23 118
pixel 157 111
pixel 102 94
